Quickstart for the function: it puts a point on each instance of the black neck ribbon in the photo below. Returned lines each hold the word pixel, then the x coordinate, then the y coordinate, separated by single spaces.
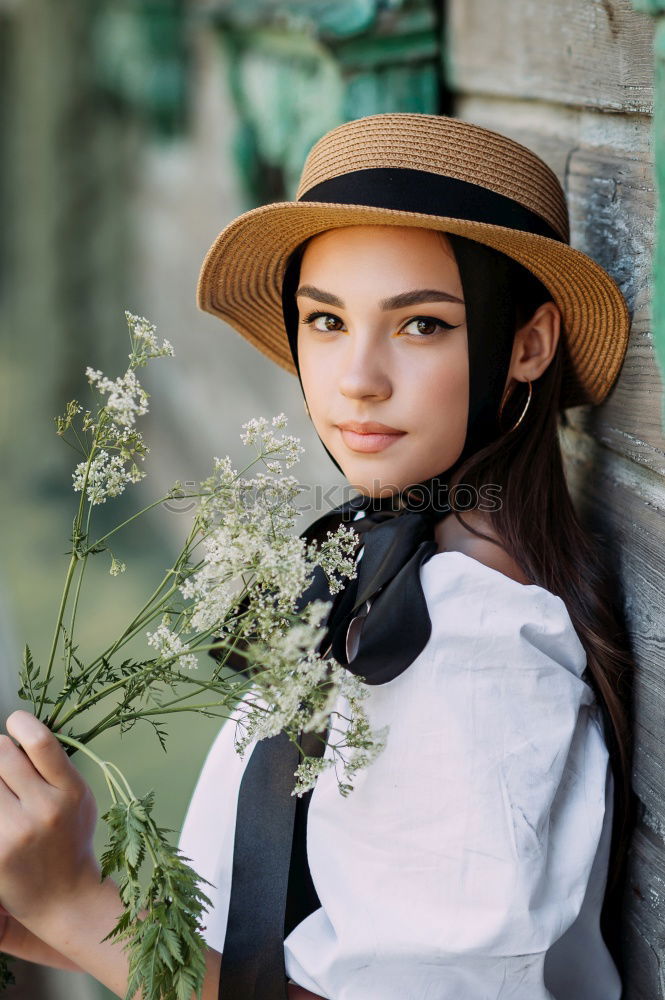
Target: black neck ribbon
pixel 272 888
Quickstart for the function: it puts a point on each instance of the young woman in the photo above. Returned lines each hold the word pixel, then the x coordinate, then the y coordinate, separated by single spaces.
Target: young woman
pixel 423 289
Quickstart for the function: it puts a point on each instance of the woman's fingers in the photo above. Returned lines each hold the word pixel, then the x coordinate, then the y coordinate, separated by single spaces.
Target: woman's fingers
pixel 9 803
pixel 47 821
pixel 16 770
pixel 45 752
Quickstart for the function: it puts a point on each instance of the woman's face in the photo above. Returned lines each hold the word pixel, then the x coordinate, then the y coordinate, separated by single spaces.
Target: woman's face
pixel 382 347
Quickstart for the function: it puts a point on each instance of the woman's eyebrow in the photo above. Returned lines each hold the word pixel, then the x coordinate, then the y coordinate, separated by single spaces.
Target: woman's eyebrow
pixel 316 293
pixel 416 296
pixel 394 302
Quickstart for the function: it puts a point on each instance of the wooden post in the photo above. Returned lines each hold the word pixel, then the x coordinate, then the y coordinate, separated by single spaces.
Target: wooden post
pixel 657 8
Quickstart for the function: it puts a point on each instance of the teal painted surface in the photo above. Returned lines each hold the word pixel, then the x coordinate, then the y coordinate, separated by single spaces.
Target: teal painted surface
pixel 649 6
pixel 288 91
pixel 298 69
pixel 338 18
pixel 141 59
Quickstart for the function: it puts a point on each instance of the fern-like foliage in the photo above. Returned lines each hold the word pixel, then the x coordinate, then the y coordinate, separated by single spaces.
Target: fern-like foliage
pixel 162 919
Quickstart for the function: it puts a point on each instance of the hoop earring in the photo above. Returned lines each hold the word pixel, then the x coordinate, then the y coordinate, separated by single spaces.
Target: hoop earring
pixel 522 414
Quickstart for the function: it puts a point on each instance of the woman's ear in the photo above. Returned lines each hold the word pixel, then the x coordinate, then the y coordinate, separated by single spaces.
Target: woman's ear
pixel 535 344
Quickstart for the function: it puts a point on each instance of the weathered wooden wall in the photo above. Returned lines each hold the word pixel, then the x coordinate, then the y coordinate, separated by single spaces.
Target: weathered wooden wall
pixel 573 80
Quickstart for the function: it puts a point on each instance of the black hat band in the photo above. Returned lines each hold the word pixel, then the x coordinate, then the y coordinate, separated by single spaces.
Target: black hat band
pixel 407 190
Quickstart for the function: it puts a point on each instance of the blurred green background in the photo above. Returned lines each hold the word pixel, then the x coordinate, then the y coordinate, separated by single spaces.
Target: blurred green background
pixel 131 133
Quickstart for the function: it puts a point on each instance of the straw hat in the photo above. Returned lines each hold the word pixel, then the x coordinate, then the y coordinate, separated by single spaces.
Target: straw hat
pixel 429 171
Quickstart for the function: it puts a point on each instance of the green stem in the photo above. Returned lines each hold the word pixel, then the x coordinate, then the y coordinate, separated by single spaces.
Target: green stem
pixel 118 720
pixel 76 534
pixel 145 614
pixel 54 645
pixel 126 793
pixel 81 706
pixel 80 443
pixel 204 706
pixel 97 665
pixel 79 451
pixel 72 621
pixel 122 778
pixel 144 510
pixel 61 611
pixel 86 700
pixel 115 718
pixel 102 764
pixel 222 644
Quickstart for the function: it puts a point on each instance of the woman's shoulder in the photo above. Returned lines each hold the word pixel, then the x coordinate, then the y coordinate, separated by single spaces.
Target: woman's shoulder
pixel 480 600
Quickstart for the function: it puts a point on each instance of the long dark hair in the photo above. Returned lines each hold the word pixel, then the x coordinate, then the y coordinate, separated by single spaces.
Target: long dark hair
pixel 538 526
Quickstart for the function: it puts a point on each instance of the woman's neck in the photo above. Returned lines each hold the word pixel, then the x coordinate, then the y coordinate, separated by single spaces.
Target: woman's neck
pixel 453 536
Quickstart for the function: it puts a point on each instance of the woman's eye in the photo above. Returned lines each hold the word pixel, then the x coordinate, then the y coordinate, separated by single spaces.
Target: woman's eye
pixel 426 326
pixel 323 322
pixel 420 326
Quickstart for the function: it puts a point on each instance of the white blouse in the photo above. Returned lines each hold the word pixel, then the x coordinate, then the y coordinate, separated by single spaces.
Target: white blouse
pixel 470 860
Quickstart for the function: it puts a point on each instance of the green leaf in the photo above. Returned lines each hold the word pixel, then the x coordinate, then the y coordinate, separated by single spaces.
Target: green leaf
pixel 28 674
pixel 28 662
pixel 162 921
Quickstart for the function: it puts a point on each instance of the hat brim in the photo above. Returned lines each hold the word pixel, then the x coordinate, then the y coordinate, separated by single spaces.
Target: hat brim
pixel 241 280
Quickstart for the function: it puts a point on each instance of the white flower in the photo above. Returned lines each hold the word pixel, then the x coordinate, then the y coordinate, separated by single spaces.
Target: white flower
pixel 117 567
pixel 170 646
pixel 296 690
pixel 336 556
pixel 224 471
pixel 308 771
pixel 127 399
pixel 259 433
pixel 144 341
pixel 107 477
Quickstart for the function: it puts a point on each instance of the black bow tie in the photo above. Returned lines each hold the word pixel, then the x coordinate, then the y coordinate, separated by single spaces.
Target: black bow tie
pixel 397 625
pixel 271 888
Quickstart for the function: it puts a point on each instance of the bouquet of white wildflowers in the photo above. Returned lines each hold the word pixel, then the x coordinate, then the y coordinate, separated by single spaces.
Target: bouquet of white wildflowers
pixel 233 589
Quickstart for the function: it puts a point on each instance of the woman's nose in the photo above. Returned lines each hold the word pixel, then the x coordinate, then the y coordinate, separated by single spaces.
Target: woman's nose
pixel 363 371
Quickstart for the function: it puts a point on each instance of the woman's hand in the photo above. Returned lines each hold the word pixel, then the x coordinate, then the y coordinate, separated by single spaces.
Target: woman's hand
pixel 47 819
pixel 58 911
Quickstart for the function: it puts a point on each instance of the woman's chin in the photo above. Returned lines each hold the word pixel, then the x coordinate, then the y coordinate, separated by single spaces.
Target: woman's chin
pixel 374 484
pixel 382 474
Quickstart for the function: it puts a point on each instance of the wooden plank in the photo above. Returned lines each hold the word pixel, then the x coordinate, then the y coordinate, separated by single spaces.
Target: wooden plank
pixel 591 53
pixel 612 207
pixel 644 916
pixel 632 516
pixel 604 163
pixel 627 504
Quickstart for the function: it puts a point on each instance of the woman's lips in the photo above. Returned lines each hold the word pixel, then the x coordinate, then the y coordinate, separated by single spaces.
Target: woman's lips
pixel 368 437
